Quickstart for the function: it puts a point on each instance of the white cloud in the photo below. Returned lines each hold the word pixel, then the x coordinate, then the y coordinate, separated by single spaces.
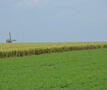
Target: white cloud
pixel 30 3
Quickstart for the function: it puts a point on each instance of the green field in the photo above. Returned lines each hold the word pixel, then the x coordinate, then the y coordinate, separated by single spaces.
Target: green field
pixel 76 70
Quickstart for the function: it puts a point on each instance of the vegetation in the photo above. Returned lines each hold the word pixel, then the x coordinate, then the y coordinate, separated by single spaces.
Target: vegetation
pixel 77 70
pixel 24 49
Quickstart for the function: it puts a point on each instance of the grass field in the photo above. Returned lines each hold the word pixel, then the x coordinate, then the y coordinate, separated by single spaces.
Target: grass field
pixel 76 70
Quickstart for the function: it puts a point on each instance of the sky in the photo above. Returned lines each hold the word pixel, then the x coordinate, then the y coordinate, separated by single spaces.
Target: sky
pixel 53 20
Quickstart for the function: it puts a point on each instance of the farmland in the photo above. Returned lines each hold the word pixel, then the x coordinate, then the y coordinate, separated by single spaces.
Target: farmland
pixel 76 70
pixel 26 46
pixel 25 49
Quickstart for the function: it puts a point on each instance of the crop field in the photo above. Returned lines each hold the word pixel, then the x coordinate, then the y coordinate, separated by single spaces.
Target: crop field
pixel 76 70
pixel 27 49
pixel 27 46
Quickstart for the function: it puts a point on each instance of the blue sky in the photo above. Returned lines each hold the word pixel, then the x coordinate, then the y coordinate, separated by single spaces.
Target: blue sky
pixel 53 20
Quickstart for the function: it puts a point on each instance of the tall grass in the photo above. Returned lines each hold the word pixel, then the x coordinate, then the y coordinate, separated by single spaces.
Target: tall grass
pixel 24 49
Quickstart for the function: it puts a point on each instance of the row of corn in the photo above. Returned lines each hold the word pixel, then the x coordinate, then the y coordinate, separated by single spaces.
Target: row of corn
pixel 47 50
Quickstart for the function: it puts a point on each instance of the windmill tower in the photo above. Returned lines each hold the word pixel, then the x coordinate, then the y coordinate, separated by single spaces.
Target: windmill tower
pixel 10 39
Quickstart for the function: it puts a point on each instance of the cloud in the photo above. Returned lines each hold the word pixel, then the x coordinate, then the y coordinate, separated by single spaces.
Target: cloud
pixel 30 3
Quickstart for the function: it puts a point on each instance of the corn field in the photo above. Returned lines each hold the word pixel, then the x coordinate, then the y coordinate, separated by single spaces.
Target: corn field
pixel 24 49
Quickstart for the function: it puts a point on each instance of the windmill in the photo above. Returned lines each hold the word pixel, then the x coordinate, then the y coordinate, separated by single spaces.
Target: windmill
pixel 10 39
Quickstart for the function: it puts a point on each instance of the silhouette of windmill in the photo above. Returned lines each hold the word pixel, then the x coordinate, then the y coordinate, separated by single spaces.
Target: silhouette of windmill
pixel 10 39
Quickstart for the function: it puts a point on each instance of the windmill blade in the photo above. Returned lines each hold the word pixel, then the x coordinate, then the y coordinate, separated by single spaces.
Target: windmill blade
pixel 10 39
pixel 10 36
